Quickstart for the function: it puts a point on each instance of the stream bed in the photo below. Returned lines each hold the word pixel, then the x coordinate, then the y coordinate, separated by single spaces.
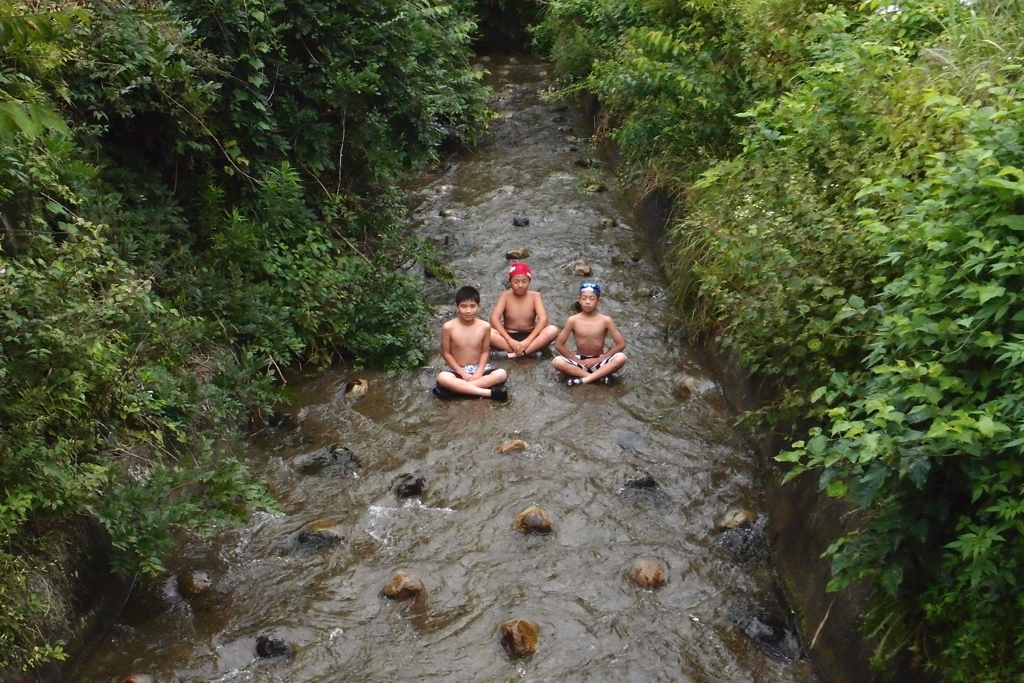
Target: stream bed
pixel 648 468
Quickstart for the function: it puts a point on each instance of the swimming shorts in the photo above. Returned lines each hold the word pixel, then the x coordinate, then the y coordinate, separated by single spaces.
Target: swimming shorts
pixel 471 368
pixel 519 336
pixel 581 366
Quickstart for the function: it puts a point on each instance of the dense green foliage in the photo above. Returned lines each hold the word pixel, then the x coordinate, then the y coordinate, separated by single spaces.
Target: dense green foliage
pixel 193 195
pixel 854 194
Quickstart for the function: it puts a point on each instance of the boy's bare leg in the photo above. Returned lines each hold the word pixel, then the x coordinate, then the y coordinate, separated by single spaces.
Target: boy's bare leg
pixel 498 342
pixel 543 340
pixel 616 362
pixel 478 387
pixel 567 368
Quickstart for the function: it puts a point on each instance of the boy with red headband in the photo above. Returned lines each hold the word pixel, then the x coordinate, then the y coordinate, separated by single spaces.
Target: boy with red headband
pixel 519 323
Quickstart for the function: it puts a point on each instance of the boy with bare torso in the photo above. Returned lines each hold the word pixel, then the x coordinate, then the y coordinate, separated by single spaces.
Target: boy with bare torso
pixel 519 322
pixel 465 342
pixel 589 329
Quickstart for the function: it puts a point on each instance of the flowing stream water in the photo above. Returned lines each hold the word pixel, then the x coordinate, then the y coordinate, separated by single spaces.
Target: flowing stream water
pixel 591 455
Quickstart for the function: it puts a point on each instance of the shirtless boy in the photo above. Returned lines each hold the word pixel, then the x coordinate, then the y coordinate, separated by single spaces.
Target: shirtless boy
pixel 519 323
pixel 591 363
pixel 465 342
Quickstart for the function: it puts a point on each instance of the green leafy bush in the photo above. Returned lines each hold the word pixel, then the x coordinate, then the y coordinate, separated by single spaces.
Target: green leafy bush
pixel 193 195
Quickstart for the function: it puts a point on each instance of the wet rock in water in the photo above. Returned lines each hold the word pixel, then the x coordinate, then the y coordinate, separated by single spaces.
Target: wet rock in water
pixel 772 635
pixel 137 678
pixel 517 254
pixel 648 573
pixel 322 533
pixel 335 458
pixel 440 240
pixel 586 162
pixel 356 388
pixel 571 138
pixel 509 445
pixel 520 222
pixel 737 519
pixel 558 119
pixel 565 129
pixel 595 188
pixel 609 223
pixel 444 189
pixel 641 481
pixel 581 268
pixel 408 485
pixel 520 637
pixel 447 213
pixel 507 189
pixel 270 647
pixel 403 586
pixel 533 520
pixel 194 584
pixel 688 386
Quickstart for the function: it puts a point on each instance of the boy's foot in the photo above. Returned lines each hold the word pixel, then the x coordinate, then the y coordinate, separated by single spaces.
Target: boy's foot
pixel 499 355
pixel 536 354
pixel 499 393
pixel 573 381
pixel 608 381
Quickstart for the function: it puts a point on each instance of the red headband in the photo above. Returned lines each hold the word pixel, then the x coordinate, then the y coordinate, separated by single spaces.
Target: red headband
pixel 519 269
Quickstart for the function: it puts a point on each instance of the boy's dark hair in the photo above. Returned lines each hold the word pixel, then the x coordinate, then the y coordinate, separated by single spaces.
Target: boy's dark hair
pixel 467 293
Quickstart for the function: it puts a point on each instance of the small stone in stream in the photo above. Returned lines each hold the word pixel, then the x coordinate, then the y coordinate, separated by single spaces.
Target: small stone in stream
pixel 446 213
pixel 648 573
pixel 403 586
pixel 737 519
pixel 595 188
pixel 609 223
pixel 194 584
pixel 533 520
pixel 517 254
pixel 356 388
pixel 520 637
pixel 558 119
pixel 269 647
pixel 582 269
pixel 641 481
pixel 571 138
pixel 520 221
pixel 565 129
pixel 322 533
pixel 338 459
pixel 408 485
pixel 509 445
pixel 137 678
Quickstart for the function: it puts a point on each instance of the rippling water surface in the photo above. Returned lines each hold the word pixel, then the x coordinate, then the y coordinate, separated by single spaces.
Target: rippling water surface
pixel 719 618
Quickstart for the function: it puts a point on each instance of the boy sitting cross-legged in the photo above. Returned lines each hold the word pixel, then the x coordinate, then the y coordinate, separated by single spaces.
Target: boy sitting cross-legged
pixel 591 363
pixel 465 342
pixel 519 323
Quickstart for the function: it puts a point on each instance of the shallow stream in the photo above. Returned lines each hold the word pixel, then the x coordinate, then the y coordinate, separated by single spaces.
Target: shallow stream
pixel 646 468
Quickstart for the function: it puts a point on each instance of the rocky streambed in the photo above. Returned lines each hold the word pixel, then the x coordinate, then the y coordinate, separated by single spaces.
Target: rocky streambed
pixel 590 533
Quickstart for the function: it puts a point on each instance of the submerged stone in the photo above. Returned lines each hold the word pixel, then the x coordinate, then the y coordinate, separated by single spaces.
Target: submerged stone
pixel 509 445
pixel 520 637
pixel 533 520
pixel 403 586
pixel 517 254
pixel 581 268
pixel 648 573
pixel 337 458
pixel 642 481
pixel 356 388
pixel 270 647
pixel 322 533
pixel 409 485
pixel 737 519
pixel 520 221
pixel 194 584
pixel 137 678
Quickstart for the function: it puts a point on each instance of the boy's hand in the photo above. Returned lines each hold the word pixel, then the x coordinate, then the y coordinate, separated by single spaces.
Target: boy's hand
pixel 518 348
pixel 591 362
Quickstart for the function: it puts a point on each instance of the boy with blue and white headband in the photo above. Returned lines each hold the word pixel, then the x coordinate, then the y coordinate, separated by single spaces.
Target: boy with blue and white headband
pixel 590 329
